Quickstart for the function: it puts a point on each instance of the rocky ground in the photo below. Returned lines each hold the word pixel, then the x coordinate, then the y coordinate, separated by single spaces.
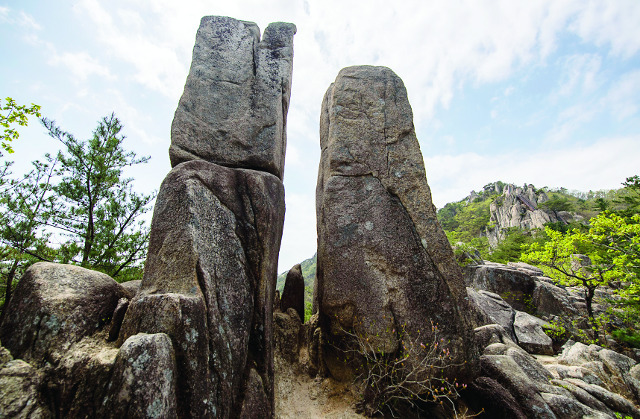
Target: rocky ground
pixel 523 372
pixel 300 396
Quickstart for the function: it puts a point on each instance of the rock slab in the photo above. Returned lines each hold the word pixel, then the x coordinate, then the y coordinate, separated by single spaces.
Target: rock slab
pixel 384 262
pixel 233 111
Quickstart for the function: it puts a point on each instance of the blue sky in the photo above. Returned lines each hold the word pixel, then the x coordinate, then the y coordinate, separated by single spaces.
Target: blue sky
pixel 543 92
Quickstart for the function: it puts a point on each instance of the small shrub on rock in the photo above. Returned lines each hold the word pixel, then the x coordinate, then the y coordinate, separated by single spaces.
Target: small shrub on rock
pixel 414 375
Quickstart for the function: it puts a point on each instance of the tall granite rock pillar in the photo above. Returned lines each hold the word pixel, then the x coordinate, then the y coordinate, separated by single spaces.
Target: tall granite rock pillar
pixel 210 275
pixel 384 262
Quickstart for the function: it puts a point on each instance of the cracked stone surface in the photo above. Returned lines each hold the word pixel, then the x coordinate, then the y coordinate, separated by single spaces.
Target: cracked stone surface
pixel 384 262
pixel 143 379
pixel 233 111
pixel 55 306
pixel 209 284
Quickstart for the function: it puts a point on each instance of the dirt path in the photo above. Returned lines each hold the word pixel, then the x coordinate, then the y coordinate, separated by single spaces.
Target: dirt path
pixel 300 396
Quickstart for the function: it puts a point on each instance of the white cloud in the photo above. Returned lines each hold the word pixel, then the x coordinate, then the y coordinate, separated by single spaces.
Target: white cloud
pixel 580 71
pixel 144 44
pixel 437 48
pixel 623 97
pixel 22 19
pixel 610 22
pixel 27 21
pixel 621 101
pixel 81 64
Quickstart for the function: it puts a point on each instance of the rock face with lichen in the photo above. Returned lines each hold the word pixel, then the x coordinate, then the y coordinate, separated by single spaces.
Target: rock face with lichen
pixel 384 262
pixel 234 107
pixel 210 280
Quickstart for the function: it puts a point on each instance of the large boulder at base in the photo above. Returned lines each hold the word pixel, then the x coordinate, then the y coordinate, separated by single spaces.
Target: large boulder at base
pixel 586 381
pixel 488 395
pixel 20 391
pixel 506 371
pixel 233 111
pixel 209 283
pixel 143 380
pixel 293 292
pixel 569 408
pixel 75 385
pixel 552 300
pixel 55 306
pixel 526 268
pixel 384 262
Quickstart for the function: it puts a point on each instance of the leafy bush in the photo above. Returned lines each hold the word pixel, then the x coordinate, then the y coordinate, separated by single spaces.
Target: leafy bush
pixel 556 331
pixel 627 337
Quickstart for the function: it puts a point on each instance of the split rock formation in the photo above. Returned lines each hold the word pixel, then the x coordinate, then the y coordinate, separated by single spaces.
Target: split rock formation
pixel 233 111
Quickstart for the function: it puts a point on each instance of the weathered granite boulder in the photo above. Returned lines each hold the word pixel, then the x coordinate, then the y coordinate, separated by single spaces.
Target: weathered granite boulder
pixel 585 381
pixel 487 395
pixel 143 379
pixel 76 384
pixel 570 408
pixel 384 262
pixel 287 334
pixel 530 334
pixel 55 306
pixel 20 391
pixel 233 111
pixel 131 288
pixel 209 284
pixel 513 285
pixel 490 308
pixel 526 268
pixel 552 300
pixel 293 292
pixel 614 401
pixel 600 366
pixel 524 389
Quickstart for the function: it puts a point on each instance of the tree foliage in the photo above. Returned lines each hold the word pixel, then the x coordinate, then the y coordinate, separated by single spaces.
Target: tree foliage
pixel 608 251
pixel 11 114
pixel 571 259
pixel 26 205
pixel 99 211
pixel 510 249
pixel 75 208
pixel 557 203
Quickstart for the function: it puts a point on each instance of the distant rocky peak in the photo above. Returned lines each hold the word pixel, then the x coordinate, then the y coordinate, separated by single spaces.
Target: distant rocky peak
pixel 518 207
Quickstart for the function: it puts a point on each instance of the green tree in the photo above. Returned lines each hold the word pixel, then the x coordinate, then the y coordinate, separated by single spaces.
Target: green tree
pixel 573 259
pixel 510 249
pixel 618 240
pixel 26 205
pixel 11 114
pixel 557 203
pixel 99 211
pixel 630 197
